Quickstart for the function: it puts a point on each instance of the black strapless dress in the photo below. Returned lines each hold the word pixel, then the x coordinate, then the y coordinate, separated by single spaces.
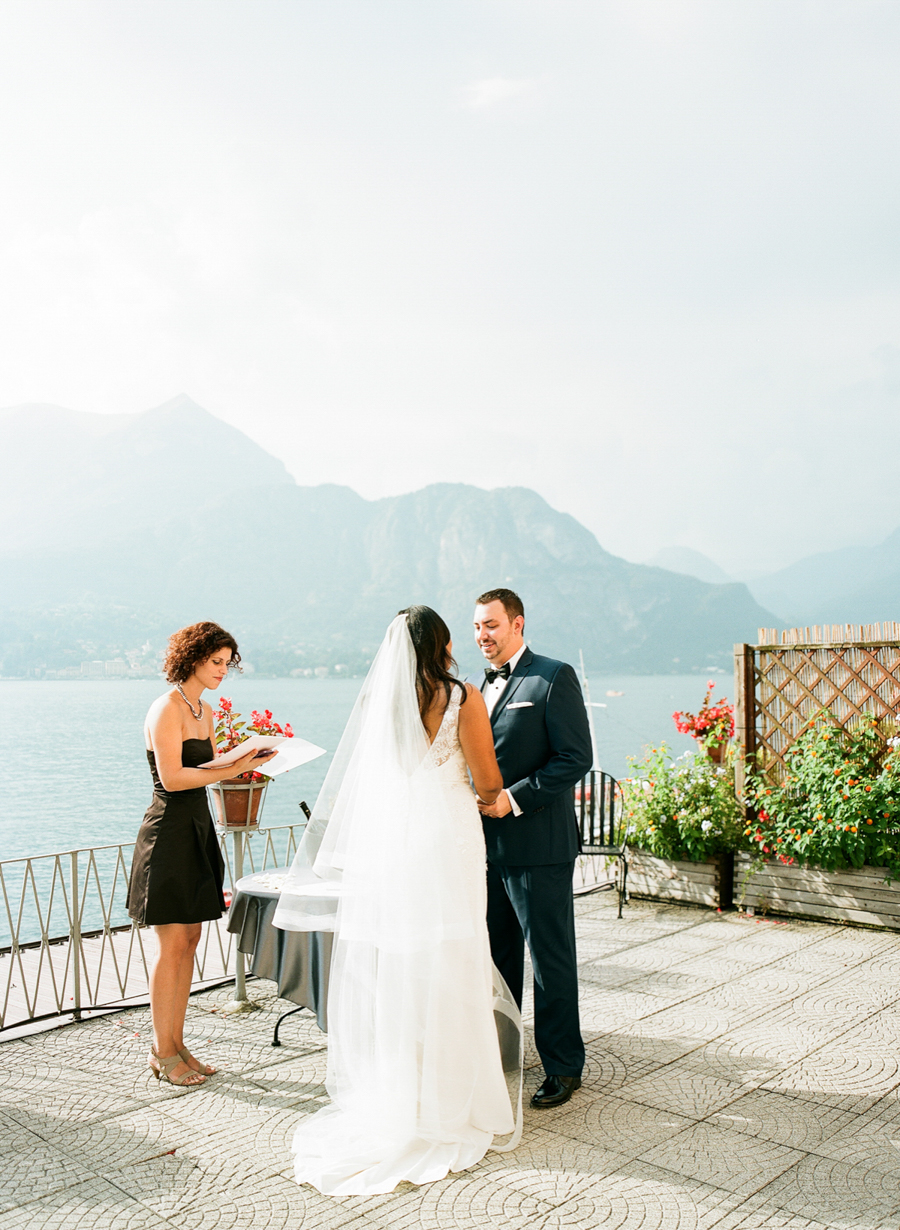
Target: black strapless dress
pixel 177 869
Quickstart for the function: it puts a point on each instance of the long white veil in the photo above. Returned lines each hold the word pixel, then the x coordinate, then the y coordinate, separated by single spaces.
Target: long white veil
pixel 424 1038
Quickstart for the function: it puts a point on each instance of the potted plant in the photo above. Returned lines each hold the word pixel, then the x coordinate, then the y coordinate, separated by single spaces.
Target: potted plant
pixel 712 726
pixel 684 824
pixel 826 836
pixel 237 801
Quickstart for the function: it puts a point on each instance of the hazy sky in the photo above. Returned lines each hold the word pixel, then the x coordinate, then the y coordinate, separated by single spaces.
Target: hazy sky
pixel 642 256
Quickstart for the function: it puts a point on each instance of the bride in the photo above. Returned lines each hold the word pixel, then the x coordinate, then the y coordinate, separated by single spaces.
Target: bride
pixel 424 1039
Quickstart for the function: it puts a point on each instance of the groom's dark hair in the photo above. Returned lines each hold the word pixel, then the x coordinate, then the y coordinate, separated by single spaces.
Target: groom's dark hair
pixel 512 603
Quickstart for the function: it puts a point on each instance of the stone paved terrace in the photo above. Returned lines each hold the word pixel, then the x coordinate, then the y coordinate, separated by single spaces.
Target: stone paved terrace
pixel 741 1074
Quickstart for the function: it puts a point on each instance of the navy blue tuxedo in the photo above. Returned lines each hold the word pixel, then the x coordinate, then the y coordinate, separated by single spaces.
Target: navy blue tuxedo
pixel 543 745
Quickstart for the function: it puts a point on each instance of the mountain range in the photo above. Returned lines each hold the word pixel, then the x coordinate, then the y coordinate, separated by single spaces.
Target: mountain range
pixel 121 528
pixel 853 585
pixel 856 585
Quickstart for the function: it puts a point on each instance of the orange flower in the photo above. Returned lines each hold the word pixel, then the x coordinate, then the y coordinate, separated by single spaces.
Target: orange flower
pixel 868 822
pixel 868 788
pixel 809 832
pixel 852 828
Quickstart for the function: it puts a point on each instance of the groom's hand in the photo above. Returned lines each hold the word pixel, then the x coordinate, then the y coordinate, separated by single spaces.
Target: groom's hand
pixel 500 807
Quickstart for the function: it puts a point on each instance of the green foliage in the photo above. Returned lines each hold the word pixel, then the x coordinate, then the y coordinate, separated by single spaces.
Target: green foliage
pixel 682 809
pixel 839 804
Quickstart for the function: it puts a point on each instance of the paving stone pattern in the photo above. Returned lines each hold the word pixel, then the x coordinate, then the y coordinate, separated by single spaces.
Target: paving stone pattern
pixel 742 1074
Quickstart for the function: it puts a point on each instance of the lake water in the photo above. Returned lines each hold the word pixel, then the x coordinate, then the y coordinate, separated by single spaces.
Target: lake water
pixel 73 772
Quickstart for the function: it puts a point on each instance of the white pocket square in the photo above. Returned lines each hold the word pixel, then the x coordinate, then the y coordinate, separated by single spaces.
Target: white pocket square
pixel 520 704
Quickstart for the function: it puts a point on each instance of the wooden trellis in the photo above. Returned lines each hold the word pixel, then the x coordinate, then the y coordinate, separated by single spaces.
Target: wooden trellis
pixel 845 669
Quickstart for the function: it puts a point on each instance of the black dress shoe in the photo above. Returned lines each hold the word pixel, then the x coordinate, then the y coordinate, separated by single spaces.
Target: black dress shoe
pixel 556 1090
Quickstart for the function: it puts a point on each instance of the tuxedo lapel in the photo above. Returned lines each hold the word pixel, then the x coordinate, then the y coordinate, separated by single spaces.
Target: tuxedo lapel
pixel 522 668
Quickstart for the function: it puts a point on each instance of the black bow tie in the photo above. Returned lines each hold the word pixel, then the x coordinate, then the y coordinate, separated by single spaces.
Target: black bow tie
pixel 500 672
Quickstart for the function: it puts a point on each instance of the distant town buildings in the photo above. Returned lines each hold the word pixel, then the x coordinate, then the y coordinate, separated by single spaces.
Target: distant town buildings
pixel 111 668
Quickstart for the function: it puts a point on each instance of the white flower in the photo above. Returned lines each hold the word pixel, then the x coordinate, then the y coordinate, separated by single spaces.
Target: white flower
pixel 706 825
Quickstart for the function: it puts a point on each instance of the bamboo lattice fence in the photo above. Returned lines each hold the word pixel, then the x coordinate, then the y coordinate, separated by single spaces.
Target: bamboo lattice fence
pixel 787 679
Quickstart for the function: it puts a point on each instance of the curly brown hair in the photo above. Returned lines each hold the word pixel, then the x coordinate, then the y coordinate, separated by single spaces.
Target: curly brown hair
pixel 194 644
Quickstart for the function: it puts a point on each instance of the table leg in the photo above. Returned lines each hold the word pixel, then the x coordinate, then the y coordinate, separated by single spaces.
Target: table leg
pixel 290 1012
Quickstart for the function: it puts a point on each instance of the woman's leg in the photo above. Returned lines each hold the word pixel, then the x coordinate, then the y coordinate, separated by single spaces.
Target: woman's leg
pixel 170 985
pixel 186 975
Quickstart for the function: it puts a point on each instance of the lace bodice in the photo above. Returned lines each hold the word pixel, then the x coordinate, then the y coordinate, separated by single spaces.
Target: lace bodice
pixel 446 742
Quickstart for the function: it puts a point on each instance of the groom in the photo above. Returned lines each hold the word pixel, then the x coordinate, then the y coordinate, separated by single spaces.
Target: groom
pixel 543 746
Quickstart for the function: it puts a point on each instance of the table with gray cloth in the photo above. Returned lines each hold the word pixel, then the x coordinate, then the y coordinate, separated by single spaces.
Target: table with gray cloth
pixel 298 961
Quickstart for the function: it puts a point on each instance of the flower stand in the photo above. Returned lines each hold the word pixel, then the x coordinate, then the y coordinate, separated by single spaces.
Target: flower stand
pixel 237 805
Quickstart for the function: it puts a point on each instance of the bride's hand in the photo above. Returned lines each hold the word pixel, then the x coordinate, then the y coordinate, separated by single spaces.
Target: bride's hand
pixel 500 807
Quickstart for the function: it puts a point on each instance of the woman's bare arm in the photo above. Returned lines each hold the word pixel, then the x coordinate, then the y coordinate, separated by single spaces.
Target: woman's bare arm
pixel 477 741
pixel 165 735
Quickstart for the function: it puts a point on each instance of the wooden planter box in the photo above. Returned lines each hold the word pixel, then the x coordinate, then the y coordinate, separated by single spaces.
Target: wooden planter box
pixel 663 879
pixel 856 896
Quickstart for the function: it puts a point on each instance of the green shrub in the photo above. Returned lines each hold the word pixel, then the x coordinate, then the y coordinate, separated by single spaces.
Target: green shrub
pixel 839 804
pixel 682 809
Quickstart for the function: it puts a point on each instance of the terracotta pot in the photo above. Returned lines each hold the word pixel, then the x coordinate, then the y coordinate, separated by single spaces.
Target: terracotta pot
pixel 716 752
pixel 237 803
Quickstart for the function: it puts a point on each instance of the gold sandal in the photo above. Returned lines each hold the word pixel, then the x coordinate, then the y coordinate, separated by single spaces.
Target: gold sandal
pixel 163 1068
pixel 204 1070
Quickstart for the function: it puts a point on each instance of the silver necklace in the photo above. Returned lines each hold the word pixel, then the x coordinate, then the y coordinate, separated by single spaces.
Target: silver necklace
pixel 180 692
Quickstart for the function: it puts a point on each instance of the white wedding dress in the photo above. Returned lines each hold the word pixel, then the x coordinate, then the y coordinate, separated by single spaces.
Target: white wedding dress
pixel 424 1038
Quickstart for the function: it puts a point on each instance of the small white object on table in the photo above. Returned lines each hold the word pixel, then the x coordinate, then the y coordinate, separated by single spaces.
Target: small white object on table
pixel 263 883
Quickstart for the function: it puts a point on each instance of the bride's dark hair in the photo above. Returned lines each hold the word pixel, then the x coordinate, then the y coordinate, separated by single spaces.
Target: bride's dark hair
pixel 431 637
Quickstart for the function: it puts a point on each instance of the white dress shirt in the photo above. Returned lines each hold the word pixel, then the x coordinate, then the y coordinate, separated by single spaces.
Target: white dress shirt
pixel 492 693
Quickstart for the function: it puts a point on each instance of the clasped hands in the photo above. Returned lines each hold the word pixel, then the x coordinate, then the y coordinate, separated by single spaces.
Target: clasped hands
pixel 500 807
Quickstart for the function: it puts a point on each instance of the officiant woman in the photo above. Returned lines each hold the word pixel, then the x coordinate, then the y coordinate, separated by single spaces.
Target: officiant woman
pixel 177 869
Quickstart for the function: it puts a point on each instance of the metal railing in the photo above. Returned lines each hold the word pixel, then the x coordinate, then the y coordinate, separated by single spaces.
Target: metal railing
pixel 67 944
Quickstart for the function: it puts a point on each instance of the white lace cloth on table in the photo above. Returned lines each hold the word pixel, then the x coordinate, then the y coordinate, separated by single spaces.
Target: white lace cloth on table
pixel 424 1043
pixel 272 881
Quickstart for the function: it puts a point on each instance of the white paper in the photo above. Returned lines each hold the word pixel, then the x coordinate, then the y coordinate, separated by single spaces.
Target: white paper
pixel 254 743
pixel 290 754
